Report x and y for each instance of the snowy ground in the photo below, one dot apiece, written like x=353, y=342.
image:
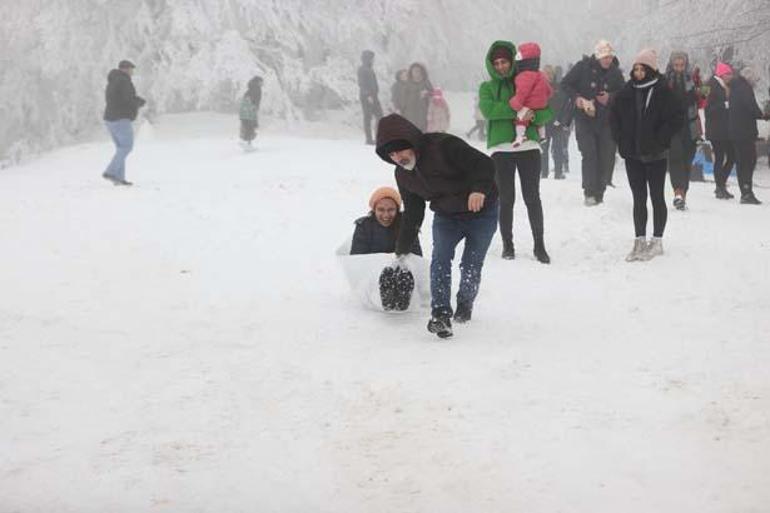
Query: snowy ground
x=190, y=345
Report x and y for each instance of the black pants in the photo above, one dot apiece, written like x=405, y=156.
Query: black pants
x=724, y=159
x=680, y=158
x=746, y=160
x=528, y=165
x=249, y=129
x=372, y=112
x=597, y=147
x=544, y=159
x=642, y=175
x=560, y=150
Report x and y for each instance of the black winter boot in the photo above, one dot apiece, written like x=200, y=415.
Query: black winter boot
x=540, y=253
x=463, y=312
x=440, y=323
x=509, y=253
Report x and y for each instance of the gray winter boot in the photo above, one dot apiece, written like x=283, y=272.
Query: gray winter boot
x=654, y=248
x=640, y=243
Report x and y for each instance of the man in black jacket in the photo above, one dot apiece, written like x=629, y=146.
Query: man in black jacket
x=368, y=92
x=591, y=83
x=459, y=183
x=122, y=108
x=742, y=129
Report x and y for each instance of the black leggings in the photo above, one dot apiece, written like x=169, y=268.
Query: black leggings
x=640, y=175
x=724, y=159
x=528, y=164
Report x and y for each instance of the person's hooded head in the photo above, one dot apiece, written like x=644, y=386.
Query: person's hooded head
x=398, y=141
x=126, y=67
x=367, y=58
x=499, y=61
x=418, y=73
x=678, y=63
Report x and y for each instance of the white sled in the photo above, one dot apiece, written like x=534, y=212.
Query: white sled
x=363, y=274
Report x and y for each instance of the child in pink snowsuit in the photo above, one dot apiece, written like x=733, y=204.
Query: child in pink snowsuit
x=438, y=112
x=532, y=90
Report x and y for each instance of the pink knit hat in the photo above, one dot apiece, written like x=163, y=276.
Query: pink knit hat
x=382, y=193
x=648, y=57
x=723, y=69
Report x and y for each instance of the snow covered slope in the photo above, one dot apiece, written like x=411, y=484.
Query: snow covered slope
x=190, y=345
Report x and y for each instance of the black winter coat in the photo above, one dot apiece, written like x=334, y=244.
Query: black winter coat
x=649, y=137
x=120, y=95
x=743, y=112
x=448, y=170
x=587, y=78
x=371, y=237
x=717, y=116
x=367, y=82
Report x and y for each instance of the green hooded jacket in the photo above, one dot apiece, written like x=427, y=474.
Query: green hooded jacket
x=494, y=95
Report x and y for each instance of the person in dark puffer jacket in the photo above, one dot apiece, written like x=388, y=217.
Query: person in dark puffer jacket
x=121, y=110
x=742, y=129
x=459, y=182
x=717, y=121
x=377, y=232
x=644, y=117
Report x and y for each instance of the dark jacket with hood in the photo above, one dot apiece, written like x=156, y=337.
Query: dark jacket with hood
x=644, y=117
x=398, y=94
x=371, y=237
x=494, y=97
x=417, y=98
x=367, y=79
x=684, y=87
x=717, y=116
x=120, y=95
x=448, y=170
x=587, y=78
x=744, y=111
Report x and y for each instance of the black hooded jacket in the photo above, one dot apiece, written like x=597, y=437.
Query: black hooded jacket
x=717, y=117
x=120, y=95
x=744, y=111
x=367, y=79
x=448, y=170
x=371, y=237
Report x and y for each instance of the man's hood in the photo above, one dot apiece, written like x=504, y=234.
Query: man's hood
x=396, y=128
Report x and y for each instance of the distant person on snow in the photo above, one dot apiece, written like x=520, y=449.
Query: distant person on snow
x=438, y=112
x=417, y=96
x=249, y=111
x=398, y=90
x=717, y=128
x=681, y=81
x=743, y=115
x=369, y=94
x=122, y=108
x=377, y=232
x=644, y=117
x=532, y=91
x=458, y=181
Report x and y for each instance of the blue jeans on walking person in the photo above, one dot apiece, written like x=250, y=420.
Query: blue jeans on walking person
x=122, y=132
x=448, y=231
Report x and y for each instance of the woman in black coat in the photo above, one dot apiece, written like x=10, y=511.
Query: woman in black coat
x=644, y=116
x=743, y=115
x=377, y=232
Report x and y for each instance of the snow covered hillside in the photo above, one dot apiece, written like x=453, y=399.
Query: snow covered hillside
x=190, y=345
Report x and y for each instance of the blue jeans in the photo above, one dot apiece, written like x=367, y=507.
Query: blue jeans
x=448, y=231
x=122, y=132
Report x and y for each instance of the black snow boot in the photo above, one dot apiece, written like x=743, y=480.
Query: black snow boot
x=509, y=253
x=396, y=287
x=748, y=198
x=440, y=323
x=463, y=312
x=540, y=253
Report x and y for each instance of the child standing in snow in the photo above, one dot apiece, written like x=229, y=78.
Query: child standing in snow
x=249, y=111
x=532, y=91
x=438, y=112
